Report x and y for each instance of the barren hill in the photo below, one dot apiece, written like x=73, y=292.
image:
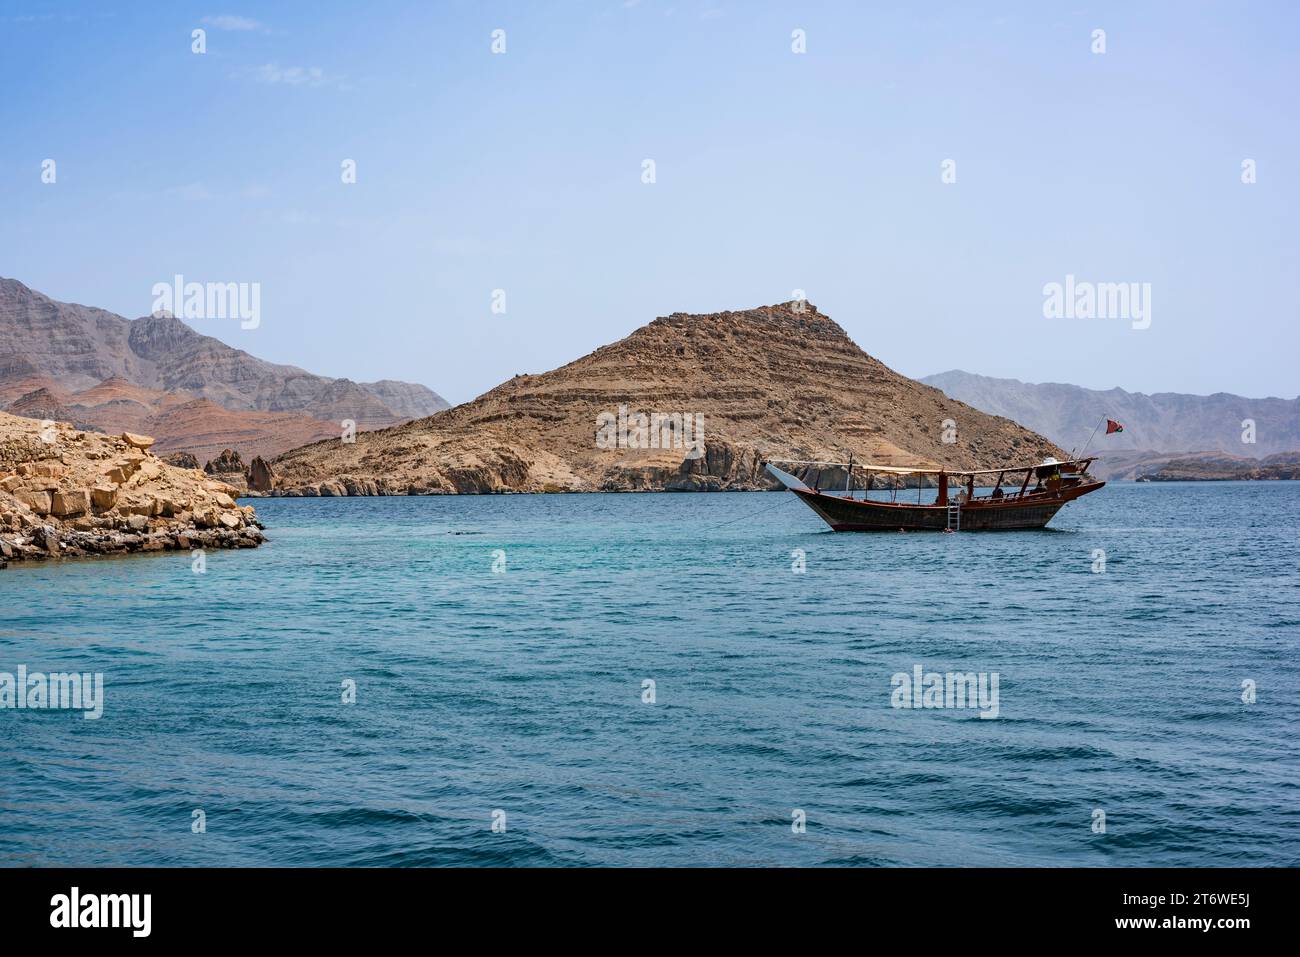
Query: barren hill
x=776, y=381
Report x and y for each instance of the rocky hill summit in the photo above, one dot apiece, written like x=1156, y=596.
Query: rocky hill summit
x=66, y=492
x=687, y=402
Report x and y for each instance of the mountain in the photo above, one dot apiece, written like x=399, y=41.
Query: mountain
x=779, y=381
x=1202, y=466
x=62, y=347
x=1165, y=422
x=158, y=376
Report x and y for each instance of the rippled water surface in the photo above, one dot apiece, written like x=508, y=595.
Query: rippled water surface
x=521, y=690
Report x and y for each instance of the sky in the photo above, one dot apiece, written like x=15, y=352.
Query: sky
x=523, y=171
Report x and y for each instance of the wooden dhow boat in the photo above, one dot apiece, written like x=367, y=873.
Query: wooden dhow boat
x=956, y=507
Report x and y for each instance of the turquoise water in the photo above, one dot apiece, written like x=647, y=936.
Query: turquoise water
x=521, y=690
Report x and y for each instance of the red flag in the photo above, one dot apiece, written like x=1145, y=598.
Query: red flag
x=1113, y=426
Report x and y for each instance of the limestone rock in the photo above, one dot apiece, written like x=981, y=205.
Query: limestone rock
x=101, y=494
x=103, y=497
x=70, y=504
x=38, y=502
x=137, y=441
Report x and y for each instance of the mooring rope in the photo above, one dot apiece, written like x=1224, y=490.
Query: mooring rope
x=751, y=514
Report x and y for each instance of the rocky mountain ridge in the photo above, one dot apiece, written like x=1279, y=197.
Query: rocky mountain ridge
x=1163, y=422
x=103, y=370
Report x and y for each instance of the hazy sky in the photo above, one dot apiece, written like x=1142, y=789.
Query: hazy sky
x=775, y=171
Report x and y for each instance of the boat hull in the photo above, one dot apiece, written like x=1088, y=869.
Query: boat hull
x=1015, y=513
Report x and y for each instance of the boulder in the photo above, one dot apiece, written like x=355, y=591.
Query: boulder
x=137, y=441
x=38, y=501
x=103, y=497
x=360, y=486
x=45, y=537
x=70, y=504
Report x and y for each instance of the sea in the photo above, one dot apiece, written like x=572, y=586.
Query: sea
x=670, y=679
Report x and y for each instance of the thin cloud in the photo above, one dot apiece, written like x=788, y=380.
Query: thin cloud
x=306, y=76
x=228, y=21
x=195, y=192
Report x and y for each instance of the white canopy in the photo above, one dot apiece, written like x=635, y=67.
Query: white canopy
x=895, y=470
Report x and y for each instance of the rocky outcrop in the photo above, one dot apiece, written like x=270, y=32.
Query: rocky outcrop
x=261, y=477
x=228, y=461
x=228, y=467
x=780, y=381
x=182, y=460
x=65, y=493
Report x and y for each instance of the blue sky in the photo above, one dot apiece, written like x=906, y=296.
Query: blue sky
x=774, y=171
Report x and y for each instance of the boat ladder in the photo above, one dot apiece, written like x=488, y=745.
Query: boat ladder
x=954, y=518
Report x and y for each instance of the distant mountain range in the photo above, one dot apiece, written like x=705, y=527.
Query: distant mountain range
x=1157, y=427
x=1204, y=467
x=190, y=391
x=781, y=381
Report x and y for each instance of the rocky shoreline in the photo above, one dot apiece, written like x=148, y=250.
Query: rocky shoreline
x=69, y=493
x=716, y=471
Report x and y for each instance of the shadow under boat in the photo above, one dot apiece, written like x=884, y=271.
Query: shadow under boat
x=1057, y=484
